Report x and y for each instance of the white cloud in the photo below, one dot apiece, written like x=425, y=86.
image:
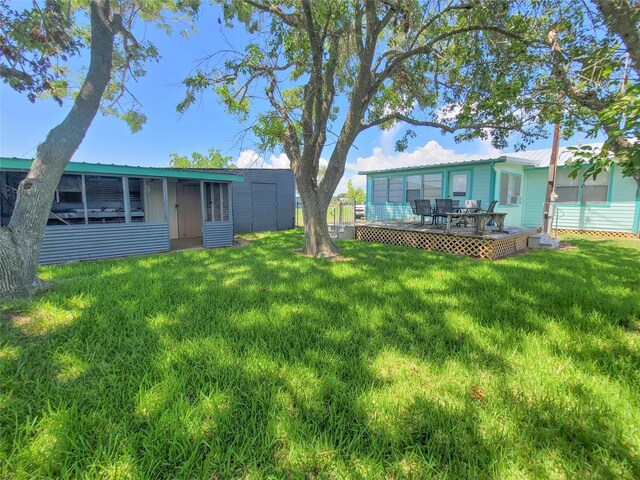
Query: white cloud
x=484, y=147
x=358, y=181
x=431, y=153
x=448, y=112
x=249, y=159
x=281, y=161
x=388, y=137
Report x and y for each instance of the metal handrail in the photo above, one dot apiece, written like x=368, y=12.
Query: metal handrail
x=556, y=215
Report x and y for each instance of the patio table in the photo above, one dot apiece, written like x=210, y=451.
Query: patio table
x=481, y=219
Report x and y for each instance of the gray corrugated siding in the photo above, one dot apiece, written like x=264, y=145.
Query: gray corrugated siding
x=243, y=203
x=265, y=211
x=218, y=234
x=63, y=243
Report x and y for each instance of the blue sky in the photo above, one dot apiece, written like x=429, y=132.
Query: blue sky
x=23, y=125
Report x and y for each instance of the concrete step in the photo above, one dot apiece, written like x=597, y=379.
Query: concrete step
x=543, y=241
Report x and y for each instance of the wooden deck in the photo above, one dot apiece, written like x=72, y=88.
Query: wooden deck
x=461, y=240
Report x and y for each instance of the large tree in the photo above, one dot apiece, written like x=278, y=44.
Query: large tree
x=35, y=44
x=594, y=68
x=320, y=73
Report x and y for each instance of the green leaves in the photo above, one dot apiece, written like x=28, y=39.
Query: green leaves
x=213, y=159
x=357, y=194
x=37, y=43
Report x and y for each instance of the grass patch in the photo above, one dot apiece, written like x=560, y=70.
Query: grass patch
x=257, y=362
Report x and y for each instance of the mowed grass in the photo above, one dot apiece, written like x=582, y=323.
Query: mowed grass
x=257, y=362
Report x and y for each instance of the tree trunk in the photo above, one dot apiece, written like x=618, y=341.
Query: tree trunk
x=317, y=242
x=22, y=238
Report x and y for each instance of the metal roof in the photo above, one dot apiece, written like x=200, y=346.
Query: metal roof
x=436, y=164
x=110, y=169
x=541, y=158
x=534, y=158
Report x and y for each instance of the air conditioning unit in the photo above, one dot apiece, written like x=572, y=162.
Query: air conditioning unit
x=516, y=200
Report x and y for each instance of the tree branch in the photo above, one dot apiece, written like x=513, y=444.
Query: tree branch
x=400, y=117
x=268, y=7
x=622, y=18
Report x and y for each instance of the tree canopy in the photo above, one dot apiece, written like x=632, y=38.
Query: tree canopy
x=594, y=67
x=213, y=159
x=357, y=194
x=38, y=43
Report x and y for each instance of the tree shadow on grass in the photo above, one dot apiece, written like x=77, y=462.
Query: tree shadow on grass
x=258, y=361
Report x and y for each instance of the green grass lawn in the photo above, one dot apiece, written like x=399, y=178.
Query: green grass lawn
x=257, y=362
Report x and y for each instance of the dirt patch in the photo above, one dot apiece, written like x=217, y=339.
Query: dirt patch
x=566, y=246
x=241, y=242
x=16, y=319
x=336, y=258
x=634, y=327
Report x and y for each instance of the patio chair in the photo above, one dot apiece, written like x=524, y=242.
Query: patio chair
x=424, y=209
x=470, y=206
x=492, y=205
x=443, y=207
x=414, y=208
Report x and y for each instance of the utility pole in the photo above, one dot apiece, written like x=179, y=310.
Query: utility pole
x=550, y=197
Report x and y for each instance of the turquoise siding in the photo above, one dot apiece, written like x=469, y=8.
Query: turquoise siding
x=617, y=215
x=480, y=184
x=534, y=192
x=478, y=189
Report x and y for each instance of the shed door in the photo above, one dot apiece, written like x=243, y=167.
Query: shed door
x=264, y=202
x=189, y=210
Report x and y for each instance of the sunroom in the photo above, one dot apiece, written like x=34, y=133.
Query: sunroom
x=103, y=210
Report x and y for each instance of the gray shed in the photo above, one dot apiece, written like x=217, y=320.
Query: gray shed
x=265, y=201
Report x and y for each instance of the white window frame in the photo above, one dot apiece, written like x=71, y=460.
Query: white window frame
x=513, y=193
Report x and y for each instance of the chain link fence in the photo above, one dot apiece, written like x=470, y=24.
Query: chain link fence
x=341, y=217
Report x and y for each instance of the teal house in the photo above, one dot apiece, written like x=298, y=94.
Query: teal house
x=611, y=203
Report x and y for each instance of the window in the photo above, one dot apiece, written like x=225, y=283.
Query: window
x=104, y=195
x=395, y=189
x=146, y=200
x=510, y=189
x=567, y=188
x=459, y=184
x=379, y=190
x=9, y=182
x=596, y=191
x=387, y=190
x=432, y=186
x=580, y=189
x=105, y=199
x=68, y=206
x=413, y=187
x=217, y=195
x=136, y=199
